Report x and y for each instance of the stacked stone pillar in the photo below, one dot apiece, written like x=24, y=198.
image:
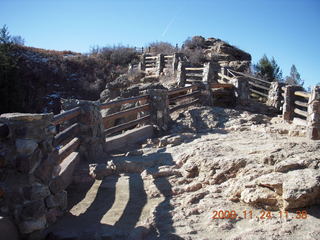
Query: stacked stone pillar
x=28, y=165
x=275, y=97
x=210, y=72
x=288, y=105
x=160, y=64
x=142, y=63
x=159, y=111
x=181, y=74
x=91, y=134
x=177, y=57
x=242, y=89
x=313, y=119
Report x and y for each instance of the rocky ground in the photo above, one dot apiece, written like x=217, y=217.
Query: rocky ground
x=219, y=174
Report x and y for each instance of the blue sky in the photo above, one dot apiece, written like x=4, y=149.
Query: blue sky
x=288, y=30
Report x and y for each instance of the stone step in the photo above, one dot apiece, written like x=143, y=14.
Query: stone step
x=64, y=178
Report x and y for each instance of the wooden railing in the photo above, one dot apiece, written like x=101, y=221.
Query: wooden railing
x=178, y=96
x=194, y=74
x=301, y=107
x=126, y=113
x=66, y=140
x=258, y=86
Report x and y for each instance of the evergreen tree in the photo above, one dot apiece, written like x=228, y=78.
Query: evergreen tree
x=11, y=93
x=294, y=78
x=268, y=69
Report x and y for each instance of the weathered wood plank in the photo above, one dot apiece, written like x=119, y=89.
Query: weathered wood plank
x=126, y=125
x=302, y=94
x=301, y=104
x=194, y=69
x=123, y=101
x=225, y=76
x=221, y=85
x=175, y=108
x=249, y=76
x=193, y=94
x=66, y=134
x=126, y=112
x=258, y=86
x=259, y=93
x=67, y=115
x=68, y=149
x=183, y=89
x=301, y=112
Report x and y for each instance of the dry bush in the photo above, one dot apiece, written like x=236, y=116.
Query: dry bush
x=119, y=55
x=196, y=42
x=161, y=47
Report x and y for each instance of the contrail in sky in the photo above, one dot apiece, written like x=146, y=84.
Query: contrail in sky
x=169, y=25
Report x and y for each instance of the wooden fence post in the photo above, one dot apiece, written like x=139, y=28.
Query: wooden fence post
x=160, y=64
x=288, y=105
x=313, y=119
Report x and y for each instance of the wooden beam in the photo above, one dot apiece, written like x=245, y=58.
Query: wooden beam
x=249, y=76
x=301, y=104
x=123, y=101
x=221, y=85
x=66, y=134
x=184, y=96
x=126, y=125
x=258, y=86
x=302, y=94
x=259, y=93
x=175, y=108
x=225, y=76
x=183, y=89
x=151, y=57
x=194, y=69
x=68, y=149
x=67, y=115
x=301, y=112
x=126, y=112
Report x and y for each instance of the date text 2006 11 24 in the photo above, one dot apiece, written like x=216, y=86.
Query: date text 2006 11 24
x=263, y=214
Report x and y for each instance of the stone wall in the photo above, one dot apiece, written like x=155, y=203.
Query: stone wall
x=28, y=166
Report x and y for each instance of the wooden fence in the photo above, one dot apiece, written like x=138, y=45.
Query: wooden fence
x=66, y=141
x=301, y=107
x=258, y=86
x=194, y=74
x=178, y=97
x=143, y=107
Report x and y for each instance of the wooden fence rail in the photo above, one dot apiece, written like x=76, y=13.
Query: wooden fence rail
x=175, y=108
x=126, y=112
x=67, y=115
x=64, y=136
x=124, y=101
x=127, y=125
x=183, y=89
x=302, y=94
